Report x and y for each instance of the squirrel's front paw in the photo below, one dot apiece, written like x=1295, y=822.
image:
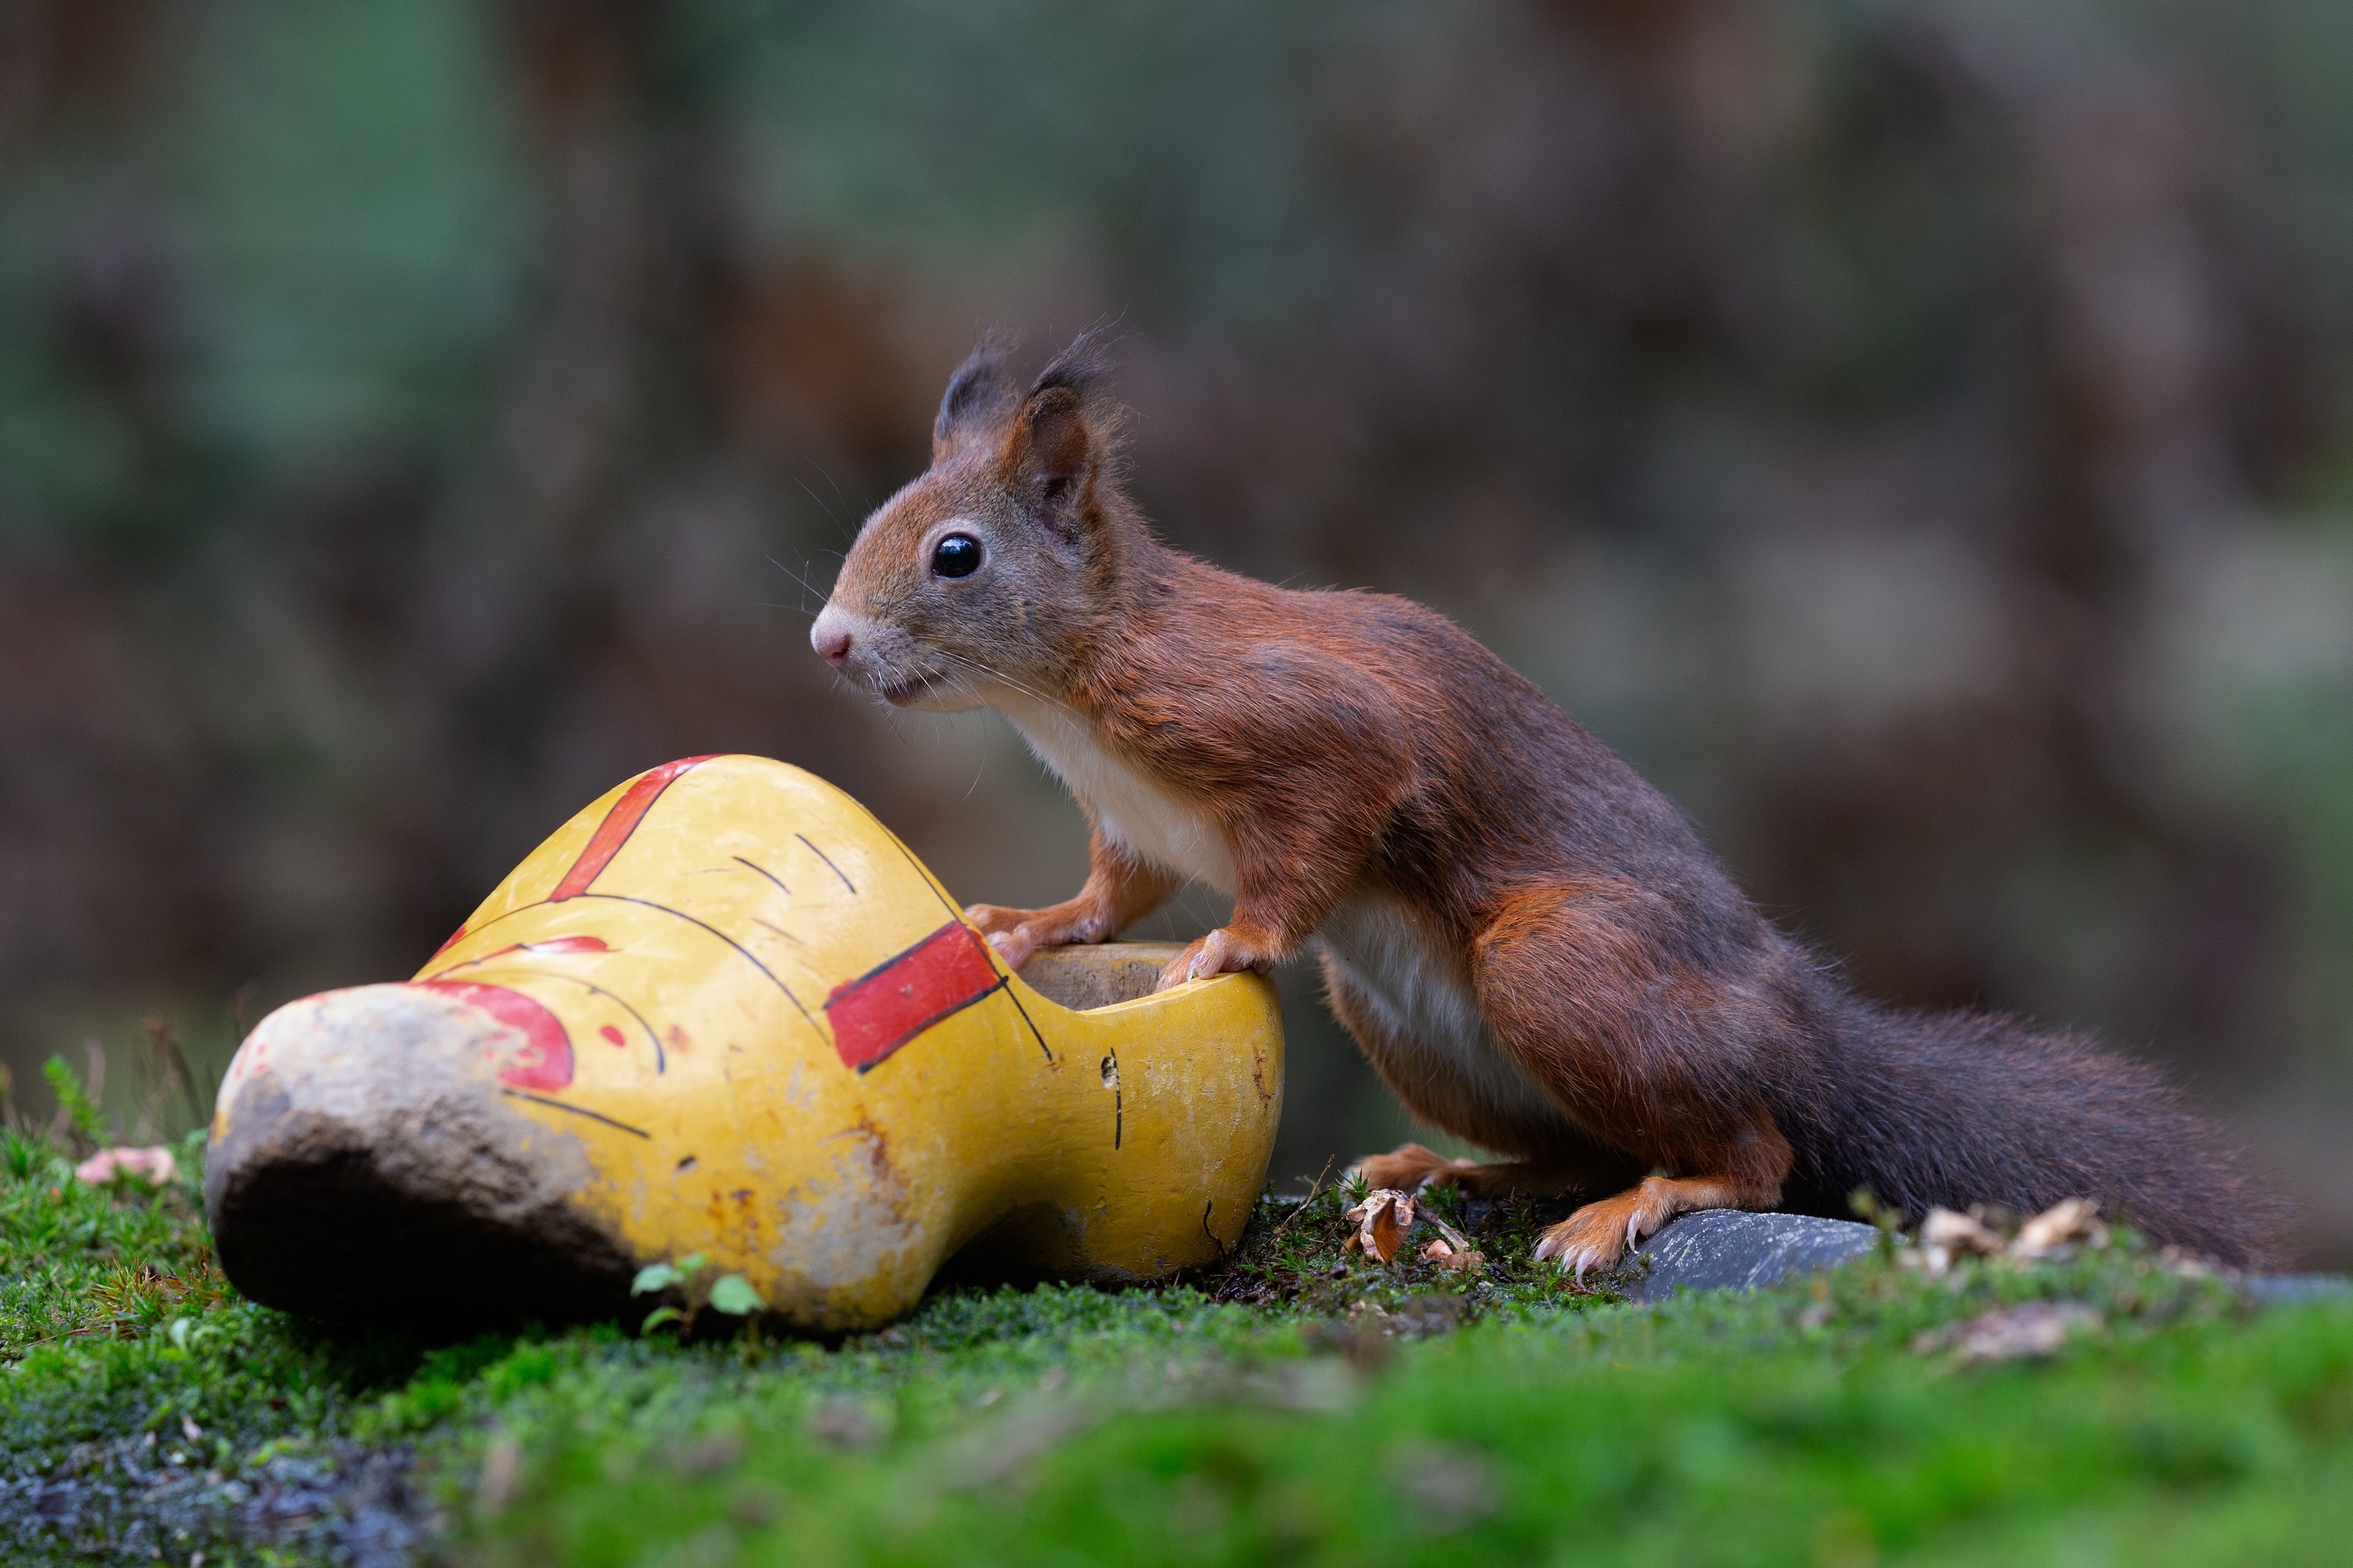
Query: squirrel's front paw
x=1017, y=933
x=1014, y=933
x=1219, y=953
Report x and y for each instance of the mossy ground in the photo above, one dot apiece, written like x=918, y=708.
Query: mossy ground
x=1274, y=1411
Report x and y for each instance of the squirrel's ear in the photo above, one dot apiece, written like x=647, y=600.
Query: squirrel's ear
x=1051, y=451
x=979, y=398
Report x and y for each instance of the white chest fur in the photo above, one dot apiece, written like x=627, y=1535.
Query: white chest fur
x=1435, y=1037
x=1133, y=811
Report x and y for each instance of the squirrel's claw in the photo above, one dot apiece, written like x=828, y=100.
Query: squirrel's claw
x=989, y=920
x=1181, y=968
x=1012, y=932
x=1016, y=934
x=1206, y=958
x=1578, y=1248
x=1599, y=1233
x=1014, y=946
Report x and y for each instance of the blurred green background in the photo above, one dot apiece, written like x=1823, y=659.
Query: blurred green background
x=1916, y=434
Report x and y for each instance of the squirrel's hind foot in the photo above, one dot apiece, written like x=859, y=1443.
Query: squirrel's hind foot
x=1598, y=1234
x=1410, y=1165
x=1407, y=1166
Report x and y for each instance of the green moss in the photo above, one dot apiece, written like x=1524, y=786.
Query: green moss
x=1270, y=1411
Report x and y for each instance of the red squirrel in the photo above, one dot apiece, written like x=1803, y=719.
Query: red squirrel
x=1528, y=941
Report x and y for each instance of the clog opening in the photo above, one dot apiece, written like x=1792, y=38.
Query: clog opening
x=1081, y=978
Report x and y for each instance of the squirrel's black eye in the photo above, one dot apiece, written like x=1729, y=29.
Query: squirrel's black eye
x=957, y=555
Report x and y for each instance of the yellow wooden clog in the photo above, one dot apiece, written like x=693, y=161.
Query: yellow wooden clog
x=724, y=1011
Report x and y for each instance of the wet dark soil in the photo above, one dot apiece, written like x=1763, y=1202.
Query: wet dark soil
x=145, y=1500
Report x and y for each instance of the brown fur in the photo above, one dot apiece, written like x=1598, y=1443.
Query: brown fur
x=1367, y=765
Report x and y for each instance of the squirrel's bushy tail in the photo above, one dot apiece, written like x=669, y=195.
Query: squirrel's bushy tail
x=1950, y=1109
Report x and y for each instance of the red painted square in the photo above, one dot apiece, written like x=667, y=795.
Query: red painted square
x=881, y=1010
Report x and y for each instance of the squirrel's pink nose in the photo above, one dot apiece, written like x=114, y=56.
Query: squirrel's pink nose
x=831, y=640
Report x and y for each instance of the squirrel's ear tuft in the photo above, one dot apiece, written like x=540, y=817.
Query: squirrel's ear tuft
x=1059, y=437
x=979, y=396
x=1078, y=367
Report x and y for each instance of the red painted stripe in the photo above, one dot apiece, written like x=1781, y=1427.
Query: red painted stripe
x=876, y=1014
x=618, y=824
x=544, y=1060
x=560, y=944
x=554, y=945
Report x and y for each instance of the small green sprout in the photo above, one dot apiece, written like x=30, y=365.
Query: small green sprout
x=730, y=1293
x=662, y=1276
x=735, y=1296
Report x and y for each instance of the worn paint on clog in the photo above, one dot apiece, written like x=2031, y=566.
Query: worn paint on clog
x=745, y=1021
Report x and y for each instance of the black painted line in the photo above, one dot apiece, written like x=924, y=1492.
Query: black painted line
x=661, y=1060
x=1017, y=1007
x=739, y=947
x=901, y=956
x=779, y=881
x=576, y=1110
x=926, y=876
x=535, y=903
x=1211, y=1234
x=942, y=1015
x=828, y=863
x=957, y=915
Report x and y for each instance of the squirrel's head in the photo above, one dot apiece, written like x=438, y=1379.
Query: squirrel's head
x=989, y=575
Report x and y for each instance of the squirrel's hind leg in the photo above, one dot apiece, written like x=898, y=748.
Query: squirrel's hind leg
x=1654, y=1057
x=1564, y=1161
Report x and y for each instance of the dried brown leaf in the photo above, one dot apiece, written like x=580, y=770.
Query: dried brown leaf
x=2058, y=1229
x=2008, y=1333
x=1463, y=1260
x=1960, y=1233
x=1946, y=1236
x=1381, y=1221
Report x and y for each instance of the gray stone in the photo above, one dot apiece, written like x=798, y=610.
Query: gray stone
x=2285, y=1289
x=1718, y=1249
